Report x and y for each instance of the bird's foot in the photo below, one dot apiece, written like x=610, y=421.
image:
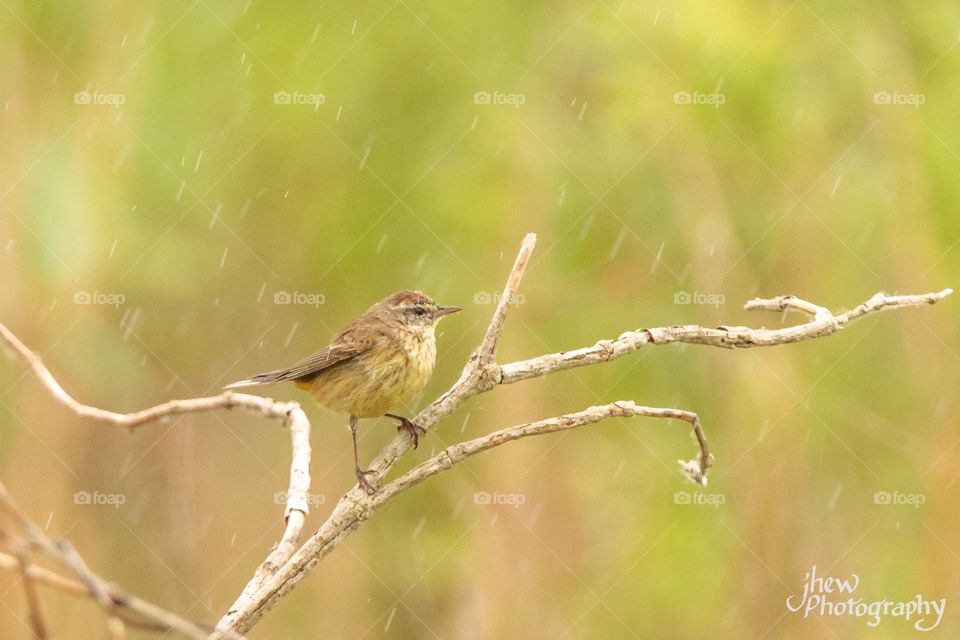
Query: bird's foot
x=363, y=482
x=408, y=426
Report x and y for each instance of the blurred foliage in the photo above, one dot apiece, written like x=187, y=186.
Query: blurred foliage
x=185, y=191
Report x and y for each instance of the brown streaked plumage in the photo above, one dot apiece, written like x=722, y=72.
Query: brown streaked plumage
x=379, y=361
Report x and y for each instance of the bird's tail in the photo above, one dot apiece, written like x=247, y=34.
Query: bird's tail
x=261, y=378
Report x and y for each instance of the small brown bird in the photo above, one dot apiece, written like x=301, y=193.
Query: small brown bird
x=379, y=361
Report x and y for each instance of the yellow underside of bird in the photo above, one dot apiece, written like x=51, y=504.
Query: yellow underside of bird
x=371, y=386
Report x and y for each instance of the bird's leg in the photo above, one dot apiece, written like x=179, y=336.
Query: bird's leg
x=408, y=425
x=361, y=474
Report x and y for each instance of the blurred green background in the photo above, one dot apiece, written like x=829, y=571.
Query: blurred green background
x=170, y=170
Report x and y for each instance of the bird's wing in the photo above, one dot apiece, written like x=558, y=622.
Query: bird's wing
x=309, y=366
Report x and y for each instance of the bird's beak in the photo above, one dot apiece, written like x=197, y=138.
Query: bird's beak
x=442, y=311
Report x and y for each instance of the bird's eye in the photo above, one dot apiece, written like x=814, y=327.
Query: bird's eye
x=420, y=311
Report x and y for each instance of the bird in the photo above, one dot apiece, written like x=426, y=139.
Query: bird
x=379, y=361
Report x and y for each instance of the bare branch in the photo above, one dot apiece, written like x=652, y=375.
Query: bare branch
x=622, y=409
x=112, y=599
x=488, y=347
x=823, y=323
x=297, y=506
x=37, y=622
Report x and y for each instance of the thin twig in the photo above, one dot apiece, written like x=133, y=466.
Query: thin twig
x=111, y=598
x=37, y=622
x=696, y=469
x=296, y=505
x=823, y=323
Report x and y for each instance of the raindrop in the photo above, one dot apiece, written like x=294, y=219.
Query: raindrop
x=123, y=42
x=656, y=261
x=656, y=18
x=339, y=111
x=132, y=322
x=113, y=248
x=836, y=496
x=216, y=215
x=383, y=241
x=316, y=32
x=582, y=111
x=615, y=249
x=224, y=258
x=836, y=185
x=183, y=185
x=458, y=508
x=263, y=288
x=354, y=29
x=473, y=124
x=363, y=160
x=47, y=523
x=393, y=612
x=420, y=262
x=196, y=167
x=418, y=529
x=466, y=419
x=586, y=228
x=10, y=245
x=293, y=330
x=245, y=207
x=619, y=469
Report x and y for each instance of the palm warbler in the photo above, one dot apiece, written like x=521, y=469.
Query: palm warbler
x=378, y=361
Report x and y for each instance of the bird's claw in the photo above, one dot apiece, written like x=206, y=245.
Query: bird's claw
x=364, y=483
x=411, y=428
